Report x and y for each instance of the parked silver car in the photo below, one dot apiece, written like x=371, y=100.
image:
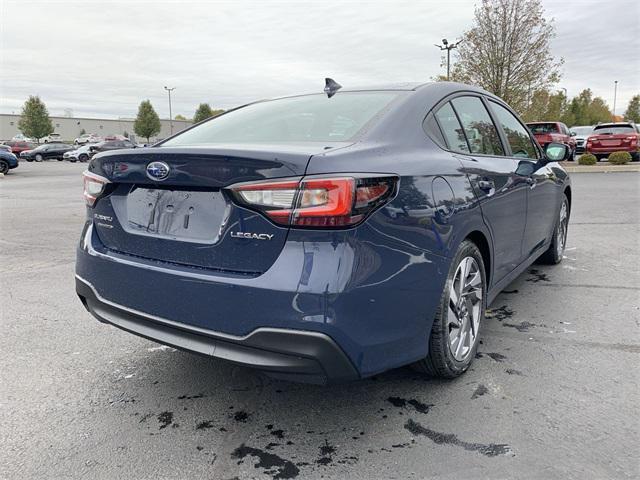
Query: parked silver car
x=581, y=134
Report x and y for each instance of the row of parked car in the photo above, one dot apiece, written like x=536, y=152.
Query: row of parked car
x=83, y=149
x=600, y=140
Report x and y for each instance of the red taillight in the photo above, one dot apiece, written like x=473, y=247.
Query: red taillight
x=321, y=202
x=94, y=186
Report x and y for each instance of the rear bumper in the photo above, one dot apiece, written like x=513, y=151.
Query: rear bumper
x=303, y=356
x=334, y=284
x=609, y=150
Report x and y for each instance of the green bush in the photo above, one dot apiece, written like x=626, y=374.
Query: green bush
x=587, y=159
x=620, y=158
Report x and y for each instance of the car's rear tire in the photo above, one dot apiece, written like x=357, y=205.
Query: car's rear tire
x=553, y=255
x=455, y=332
x=39, y=158
x=4, y=167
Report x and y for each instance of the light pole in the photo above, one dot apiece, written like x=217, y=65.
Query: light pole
x=448, y=47
x=615, y=94
x=169, y=90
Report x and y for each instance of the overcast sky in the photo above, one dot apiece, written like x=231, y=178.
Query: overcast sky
x=100, y=58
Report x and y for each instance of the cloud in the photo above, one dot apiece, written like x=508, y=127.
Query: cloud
x=103, y=59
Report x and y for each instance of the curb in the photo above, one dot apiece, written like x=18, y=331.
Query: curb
x=604, y=168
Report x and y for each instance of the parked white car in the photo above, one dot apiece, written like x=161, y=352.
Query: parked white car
x=581, y=133
x=82, y=154
x=19, y=137
x=52, y=138
x=87, y=138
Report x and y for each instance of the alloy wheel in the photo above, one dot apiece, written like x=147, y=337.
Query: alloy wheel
x=465, y=308
x=562, y=229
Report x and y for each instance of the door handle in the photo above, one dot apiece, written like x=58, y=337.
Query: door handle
x=486, y=185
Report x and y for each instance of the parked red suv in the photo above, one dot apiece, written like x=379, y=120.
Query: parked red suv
x=18, y=146
x=553, y=132
x=614, y=137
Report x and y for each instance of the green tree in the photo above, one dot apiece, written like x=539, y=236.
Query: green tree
x=203, y=112
x=507, y=51
x=147, y=122
x=34, y=119
x=632, y=114
x=585, y=109
x=180, y=117
x=545, y=105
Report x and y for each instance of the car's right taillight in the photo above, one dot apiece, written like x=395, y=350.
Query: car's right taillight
x=94, y=186
x=317, y=202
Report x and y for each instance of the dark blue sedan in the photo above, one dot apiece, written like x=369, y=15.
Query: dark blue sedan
x=8, y=161
x=325, y=237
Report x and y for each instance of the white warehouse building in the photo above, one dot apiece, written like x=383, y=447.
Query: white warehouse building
x=70, y=127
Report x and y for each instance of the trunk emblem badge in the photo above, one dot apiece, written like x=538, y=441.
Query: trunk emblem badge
x=252, y=236
x=158, y=171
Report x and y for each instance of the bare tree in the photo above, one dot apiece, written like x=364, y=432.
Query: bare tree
x=507, y=51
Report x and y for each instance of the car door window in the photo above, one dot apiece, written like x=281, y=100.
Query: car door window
x=451, y=129
x=479, y=128
x=517, y=135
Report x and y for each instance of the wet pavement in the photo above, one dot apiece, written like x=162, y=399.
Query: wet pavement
x=553, y=393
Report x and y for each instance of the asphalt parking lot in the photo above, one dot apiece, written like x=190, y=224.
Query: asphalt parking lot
x=554, y=392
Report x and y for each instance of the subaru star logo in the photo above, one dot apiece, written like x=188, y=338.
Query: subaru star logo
x=157, y=170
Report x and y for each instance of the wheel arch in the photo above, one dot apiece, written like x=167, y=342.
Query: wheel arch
x=567, y=192
x=482, y=242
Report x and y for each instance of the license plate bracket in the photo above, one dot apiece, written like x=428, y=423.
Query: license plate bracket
x=194, y=216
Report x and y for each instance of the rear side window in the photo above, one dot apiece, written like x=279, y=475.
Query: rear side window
x=308, y=118
x=433, y=130
x=517, y=135
x=481, y=132
x=451, y=129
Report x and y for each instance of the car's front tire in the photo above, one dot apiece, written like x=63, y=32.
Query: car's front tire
x=455, y=332
x=553, y=255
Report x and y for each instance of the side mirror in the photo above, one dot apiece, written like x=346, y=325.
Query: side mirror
x=573, y=134
x=556, y=152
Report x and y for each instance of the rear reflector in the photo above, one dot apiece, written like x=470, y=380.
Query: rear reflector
x=320, y=202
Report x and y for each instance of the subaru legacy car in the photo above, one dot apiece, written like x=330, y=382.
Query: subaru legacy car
x=324, y=237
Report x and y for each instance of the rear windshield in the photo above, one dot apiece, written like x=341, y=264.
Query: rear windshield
x=604, y=130
x=309, y=118
x=537, y=128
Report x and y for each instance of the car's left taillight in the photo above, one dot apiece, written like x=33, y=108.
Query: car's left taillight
x=94, y=186
x=317, y=201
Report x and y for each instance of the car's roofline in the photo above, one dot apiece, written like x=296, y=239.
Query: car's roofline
x=451, y=87
x=615, y=124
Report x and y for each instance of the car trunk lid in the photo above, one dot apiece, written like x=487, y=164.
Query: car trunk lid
x=611, y=140
x=188, y=218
